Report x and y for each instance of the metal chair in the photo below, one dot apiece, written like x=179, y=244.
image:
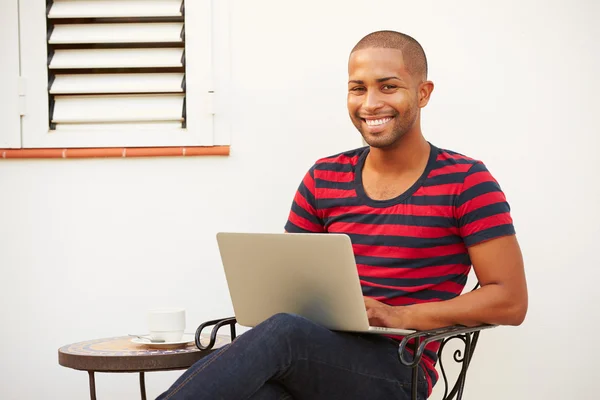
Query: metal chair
x=468, y=335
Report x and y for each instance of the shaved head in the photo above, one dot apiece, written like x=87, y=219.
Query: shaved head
x=412, y=52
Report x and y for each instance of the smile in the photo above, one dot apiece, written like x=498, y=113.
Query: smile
x=377, y=122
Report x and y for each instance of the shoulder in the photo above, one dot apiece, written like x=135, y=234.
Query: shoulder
x=449, y=162
x=345, y=160
x=452, y=158
x=471, y=176
x=457, y=173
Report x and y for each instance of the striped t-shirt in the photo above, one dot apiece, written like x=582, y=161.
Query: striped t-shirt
x=412, y=248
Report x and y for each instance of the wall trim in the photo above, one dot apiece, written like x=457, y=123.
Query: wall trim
x=112, y=152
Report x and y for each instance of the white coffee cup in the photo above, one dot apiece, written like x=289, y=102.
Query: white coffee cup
x=166, y=324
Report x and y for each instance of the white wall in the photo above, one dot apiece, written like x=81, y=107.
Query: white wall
x=86, y=246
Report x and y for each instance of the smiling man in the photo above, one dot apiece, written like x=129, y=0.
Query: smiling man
x=419, y=218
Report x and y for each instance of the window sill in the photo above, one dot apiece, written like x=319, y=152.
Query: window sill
x=114, y=152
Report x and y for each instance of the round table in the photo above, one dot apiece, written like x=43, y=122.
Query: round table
x=120, y=354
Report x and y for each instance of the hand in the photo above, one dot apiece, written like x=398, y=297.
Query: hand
x=381, y=314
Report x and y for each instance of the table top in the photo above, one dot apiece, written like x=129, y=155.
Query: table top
x=120, y=354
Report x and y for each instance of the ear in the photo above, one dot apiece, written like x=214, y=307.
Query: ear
x=425, y=89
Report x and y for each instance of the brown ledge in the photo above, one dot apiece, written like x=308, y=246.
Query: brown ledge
x=116, y=152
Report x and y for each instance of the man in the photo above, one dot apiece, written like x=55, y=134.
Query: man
x=418, y=217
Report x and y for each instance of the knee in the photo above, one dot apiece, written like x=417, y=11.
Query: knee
x=287, y=324
x=287, y=319
x=287, y=334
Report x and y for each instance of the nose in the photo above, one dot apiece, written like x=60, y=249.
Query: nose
x=372, y=102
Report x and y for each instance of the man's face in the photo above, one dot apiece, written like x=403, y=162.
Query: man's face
x=382, y=96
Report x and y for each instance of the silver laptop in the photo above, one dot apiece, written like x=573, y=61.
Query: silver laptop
x=312, y=275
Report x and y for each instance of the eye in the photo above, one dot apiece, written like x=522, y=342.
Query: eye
x=389, y=87
x=357, y=89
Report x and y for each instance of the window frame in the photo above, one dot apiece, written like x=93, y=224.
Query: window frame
x=10, y=101
x=200, y=87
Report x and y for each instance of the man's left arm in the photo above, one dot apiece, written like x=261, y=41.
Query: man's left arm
x=501, y=300
x=486, y=227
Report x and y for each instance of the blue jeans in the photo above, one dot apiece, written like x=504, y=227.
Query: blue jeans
x=290, y=357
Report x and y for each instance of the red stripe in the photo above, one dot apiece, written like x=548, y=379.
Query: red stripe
x=334, y=176
x=480, y=201
x=448, y=286
x=429, y=365
x=343, y=210
x=439, y=190
x=400, y=209
x=339, y=159
x=435, y=346
x=304, y=204
x=411, y=273
x=304, y=223
x=486, y=223
x=408, y=252
x=450, y=169
x=410, y=345
x=326, y=193
x=309, y=183
x=432, y=346
x=422, y=232
x=426, y=361
x=477, y=178
x=404, y=300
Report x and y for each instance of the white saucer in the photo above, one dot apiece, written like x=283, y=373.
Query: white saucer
x=187, y=338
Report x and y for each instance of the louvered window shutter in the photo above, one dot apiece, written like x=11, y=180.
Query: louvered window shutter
x=116, y=64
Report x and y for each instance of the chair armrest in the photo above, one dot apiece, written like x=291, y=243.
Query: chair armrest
x=423, y=338
x=218, y=323
x=428, y=336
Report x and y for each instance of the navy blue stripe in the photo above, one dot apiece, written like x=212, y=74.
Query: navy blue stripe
x=444, y=200
x=445, y=179
x=321, y=183
x=342, y=202
x=484, y=212
x=410, y=282
x=462, y=258
x=430, y=354
x=293, y=228
x=404, y=241
x=461, y=279
x=398, y=219
x=337, y=167
x=305, y=214
x=477, y=190
x=452, y=153
x=491, y=233
x=393, y=293
x=310, y=198
x=350, y=153
x=451, y=161
x=477, y=167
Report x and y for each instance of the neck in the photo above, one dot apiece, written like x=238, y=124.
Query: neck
x=408, y=154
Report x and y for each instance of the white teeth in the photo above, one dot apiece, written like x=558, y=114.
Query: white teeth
x=375, y=122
